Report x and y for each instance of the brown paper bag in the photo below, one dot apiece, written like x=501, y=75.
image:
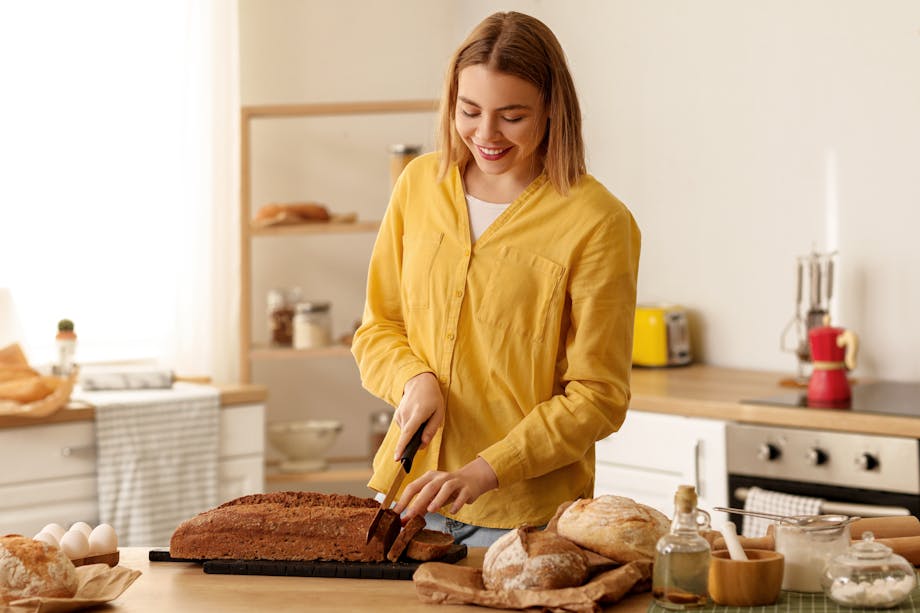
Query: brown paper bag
x=97, y=584
x=440, y=583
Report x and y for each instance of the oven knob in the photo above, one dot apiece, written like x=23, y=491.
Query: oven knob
x=867, y=461
x=816, y=456
x=768, y=452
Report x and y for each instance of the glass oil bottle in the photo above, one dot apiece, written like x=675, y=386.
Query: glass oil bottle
x=681, y=572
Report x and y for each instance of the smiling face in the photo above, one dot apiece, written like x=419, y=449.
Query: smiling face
x=502, y=121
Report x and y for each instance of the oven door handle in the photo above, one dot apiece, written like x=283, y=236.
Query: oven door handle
x=846, y=508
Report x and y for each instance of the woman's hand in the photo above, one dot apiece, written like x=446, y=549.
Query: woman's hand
x=422, y=399
x=436, y=489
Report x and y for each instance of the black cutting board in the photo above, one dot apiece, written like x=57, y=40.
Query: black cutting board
x=401, y=569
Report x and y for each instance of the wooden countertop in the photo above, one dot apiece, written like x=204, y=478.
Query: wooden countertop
x=694, y=391
x=175, y=586
x=230, y=395
x=719, y=393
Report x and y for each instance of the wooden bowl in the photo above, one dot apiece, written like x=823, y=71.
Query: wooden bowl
x=753, y=582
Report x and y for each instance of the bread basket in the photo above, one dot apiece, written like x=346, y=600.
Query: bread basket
x=57, y=399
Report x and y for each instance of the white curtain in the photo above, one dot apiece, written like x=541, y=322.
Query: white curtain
x=118, y=158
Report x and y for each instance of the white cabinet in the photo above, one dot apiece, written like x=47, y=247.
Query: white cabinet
x=49, y=471
x=652, y=454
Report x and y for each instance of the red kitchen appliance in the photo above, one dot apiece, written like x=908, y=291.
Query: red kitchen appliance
x=833, y=354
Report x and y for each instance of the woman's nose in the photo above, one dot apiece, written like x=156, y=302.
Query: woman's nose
x=487, y=128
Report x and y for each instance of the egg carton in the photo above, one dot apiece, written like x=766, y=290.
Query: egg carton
x=111, y=559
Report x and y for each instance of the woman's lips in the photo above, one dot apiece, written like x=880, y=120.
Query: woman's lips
x=491, y=154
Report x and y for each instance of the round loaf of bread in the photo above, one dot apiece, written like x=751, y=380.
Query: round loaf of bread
x=528, y=559
x=614, y=526
x=33, y=568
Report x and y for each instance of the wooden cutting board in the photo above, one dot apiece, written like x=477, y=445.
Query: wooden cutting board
x=403, y=569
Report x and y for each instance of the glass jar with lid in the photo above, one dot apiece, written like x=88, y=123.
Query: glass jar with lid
x=280, y=305
x=312, y=325
x=868, y=575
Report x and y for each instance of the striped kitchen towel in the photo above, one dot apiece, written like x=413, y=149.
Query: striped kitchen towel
x=156, y=459
x=766, y=501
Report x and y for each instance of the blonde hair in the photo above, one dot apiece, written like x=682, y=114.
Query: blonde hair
x=522, y=46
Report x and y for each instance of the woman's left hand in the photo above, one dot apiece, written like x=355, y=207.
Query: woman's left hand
x=436, y=489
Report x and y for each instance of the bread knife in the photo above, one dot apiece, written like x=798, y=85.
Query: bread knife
x=405, y=461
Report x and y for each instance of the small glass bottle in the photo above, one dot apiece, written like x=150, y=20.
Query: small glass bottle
x=66, y=341
x=280, y=302
x=312, y=325
x=681, y=573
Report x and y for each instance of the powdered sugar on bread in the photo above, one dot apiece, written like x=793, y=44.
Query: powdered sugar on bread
x=614, y=526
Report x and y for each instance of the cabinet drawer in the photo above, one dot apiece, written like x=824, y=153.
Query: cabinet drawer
x=53, y=451
x=25, y=508
x=242, y=430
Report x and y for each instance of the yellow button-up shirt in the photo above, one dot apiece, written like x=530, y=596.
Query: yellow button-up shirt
x=529, y=332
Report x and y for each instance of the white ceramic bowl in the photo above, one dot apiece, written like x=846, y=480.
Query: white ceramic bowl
x=303, y=443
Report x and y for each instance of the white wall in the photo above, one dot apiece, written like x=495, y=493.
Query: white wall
x=741, y=134
x=717, y=122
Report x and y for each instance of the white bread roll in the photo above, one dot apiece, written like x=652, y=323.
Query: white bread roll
x=33, y=568
x=526, y=558
x=614, y=526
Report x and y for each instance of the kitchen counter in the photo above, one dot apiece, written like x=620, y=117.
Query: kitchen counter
x=176, y=586
x=719, y=393
x=693, y=391
x=230, y=395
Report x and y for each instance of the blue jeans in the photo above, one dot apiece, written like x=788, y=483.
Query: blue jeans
x=464, y=534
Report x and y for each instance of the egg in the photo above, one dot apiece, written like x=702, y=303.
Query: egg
x=56, y=529
x=103, y=540
x=75, y=544
x=47, y=537
x=83, y=527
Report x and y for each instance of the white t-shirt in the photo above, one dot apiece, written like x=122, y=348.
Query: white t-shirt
x=482, y=214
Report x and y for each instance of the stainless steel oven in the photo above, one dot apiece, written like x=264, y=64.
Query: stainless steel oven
x=855, y=474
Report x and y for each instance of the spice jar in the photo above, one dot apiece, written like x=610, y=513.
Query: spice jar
x=868, y=575
x=281, y=303
x=312, y=325
x=400, y=156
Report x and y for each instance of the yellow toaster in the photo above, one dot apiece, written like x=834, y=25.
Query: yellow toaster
x=661, y=336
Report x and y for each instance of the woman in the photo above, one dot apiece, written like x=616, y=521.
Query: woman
x=500, y=299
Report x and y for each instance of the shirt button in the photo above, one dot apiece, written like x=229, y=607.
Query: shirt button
x=459, y=293
x=466, y=253
x=444, y=380
x=450, y=336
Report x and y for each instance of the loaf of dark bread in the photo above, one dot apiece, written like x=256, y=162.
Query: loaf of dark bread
x=287, y=526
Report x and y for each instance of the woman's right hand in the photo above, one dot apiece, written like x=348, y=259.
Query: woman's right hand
x=422, y=399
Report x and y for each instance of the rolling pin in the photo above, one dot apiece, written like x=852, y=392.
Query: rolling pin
x=886, y=527
x=906, y=546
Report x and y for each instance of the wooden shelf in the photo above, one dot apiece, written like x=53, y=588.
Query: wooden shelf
x=248, y=114
x=266, y=352
x=318, y=228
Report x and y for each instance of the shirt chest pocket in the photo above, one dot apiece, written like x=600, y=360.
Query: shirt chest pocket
x=419, y=252
x=521, y=288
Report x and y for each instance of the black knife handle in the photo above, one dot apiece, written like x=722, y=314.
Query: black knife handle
x=411, y=449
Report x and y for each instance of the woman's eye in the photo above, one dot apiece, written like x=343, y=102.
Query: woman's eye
x=512, y=119
x=466, y=113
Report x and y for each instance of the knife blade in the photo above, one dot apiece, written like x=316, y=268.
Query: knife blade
x=405, y=461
